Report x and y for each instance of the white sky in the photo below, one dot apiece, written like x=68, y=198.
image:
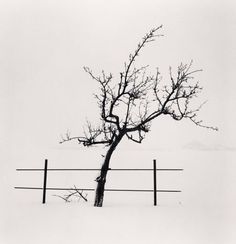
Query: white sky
x=44, y=45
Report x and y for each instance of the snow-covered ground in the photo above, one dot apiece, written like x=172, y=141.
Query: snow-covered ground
x=203, y=213
x=71, y=223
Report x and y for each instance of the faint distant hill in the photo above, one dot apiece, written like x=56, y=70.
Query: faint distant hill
x=196, y=145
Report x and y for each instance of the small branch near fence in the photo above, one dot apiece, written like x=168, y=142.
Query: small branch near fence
x=73, y=193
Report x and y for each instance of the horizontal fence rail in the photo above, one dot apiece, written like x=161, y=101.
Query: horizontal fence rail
x=99, y=169
x=46, y=169
x=88, y=189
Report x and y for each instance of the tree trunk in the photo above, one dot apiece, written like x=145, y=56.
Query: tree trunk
x=101, y=179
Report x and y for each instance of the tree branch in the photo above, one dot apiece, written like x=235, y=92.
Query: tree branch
x=132, y=103
x=74, y=192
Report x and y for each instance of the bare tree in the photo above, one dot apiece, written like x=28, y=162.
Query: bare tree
x=129, y=105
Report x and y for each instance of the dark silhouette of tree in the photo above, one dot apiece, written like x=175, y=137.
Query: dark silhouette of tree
x=129, y=105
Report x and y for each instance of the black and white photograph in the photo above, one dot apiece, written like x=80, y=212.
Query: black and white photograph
x=117, y=122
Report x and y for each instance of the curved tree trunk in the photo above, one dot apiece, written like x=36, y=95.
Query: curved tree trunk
x=101, y=179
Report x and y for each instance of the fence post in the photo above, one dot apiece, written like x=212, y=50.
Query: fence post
x=45, y=181
x=155, y=182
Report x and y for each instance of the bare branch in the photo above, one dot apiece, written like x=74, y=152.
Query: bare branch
x=74, y=192
x=92, y=137
x=129, y=105
x=147, y=38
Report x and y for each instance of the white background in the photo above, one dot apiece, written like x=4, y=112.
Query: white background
x=44, y=92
